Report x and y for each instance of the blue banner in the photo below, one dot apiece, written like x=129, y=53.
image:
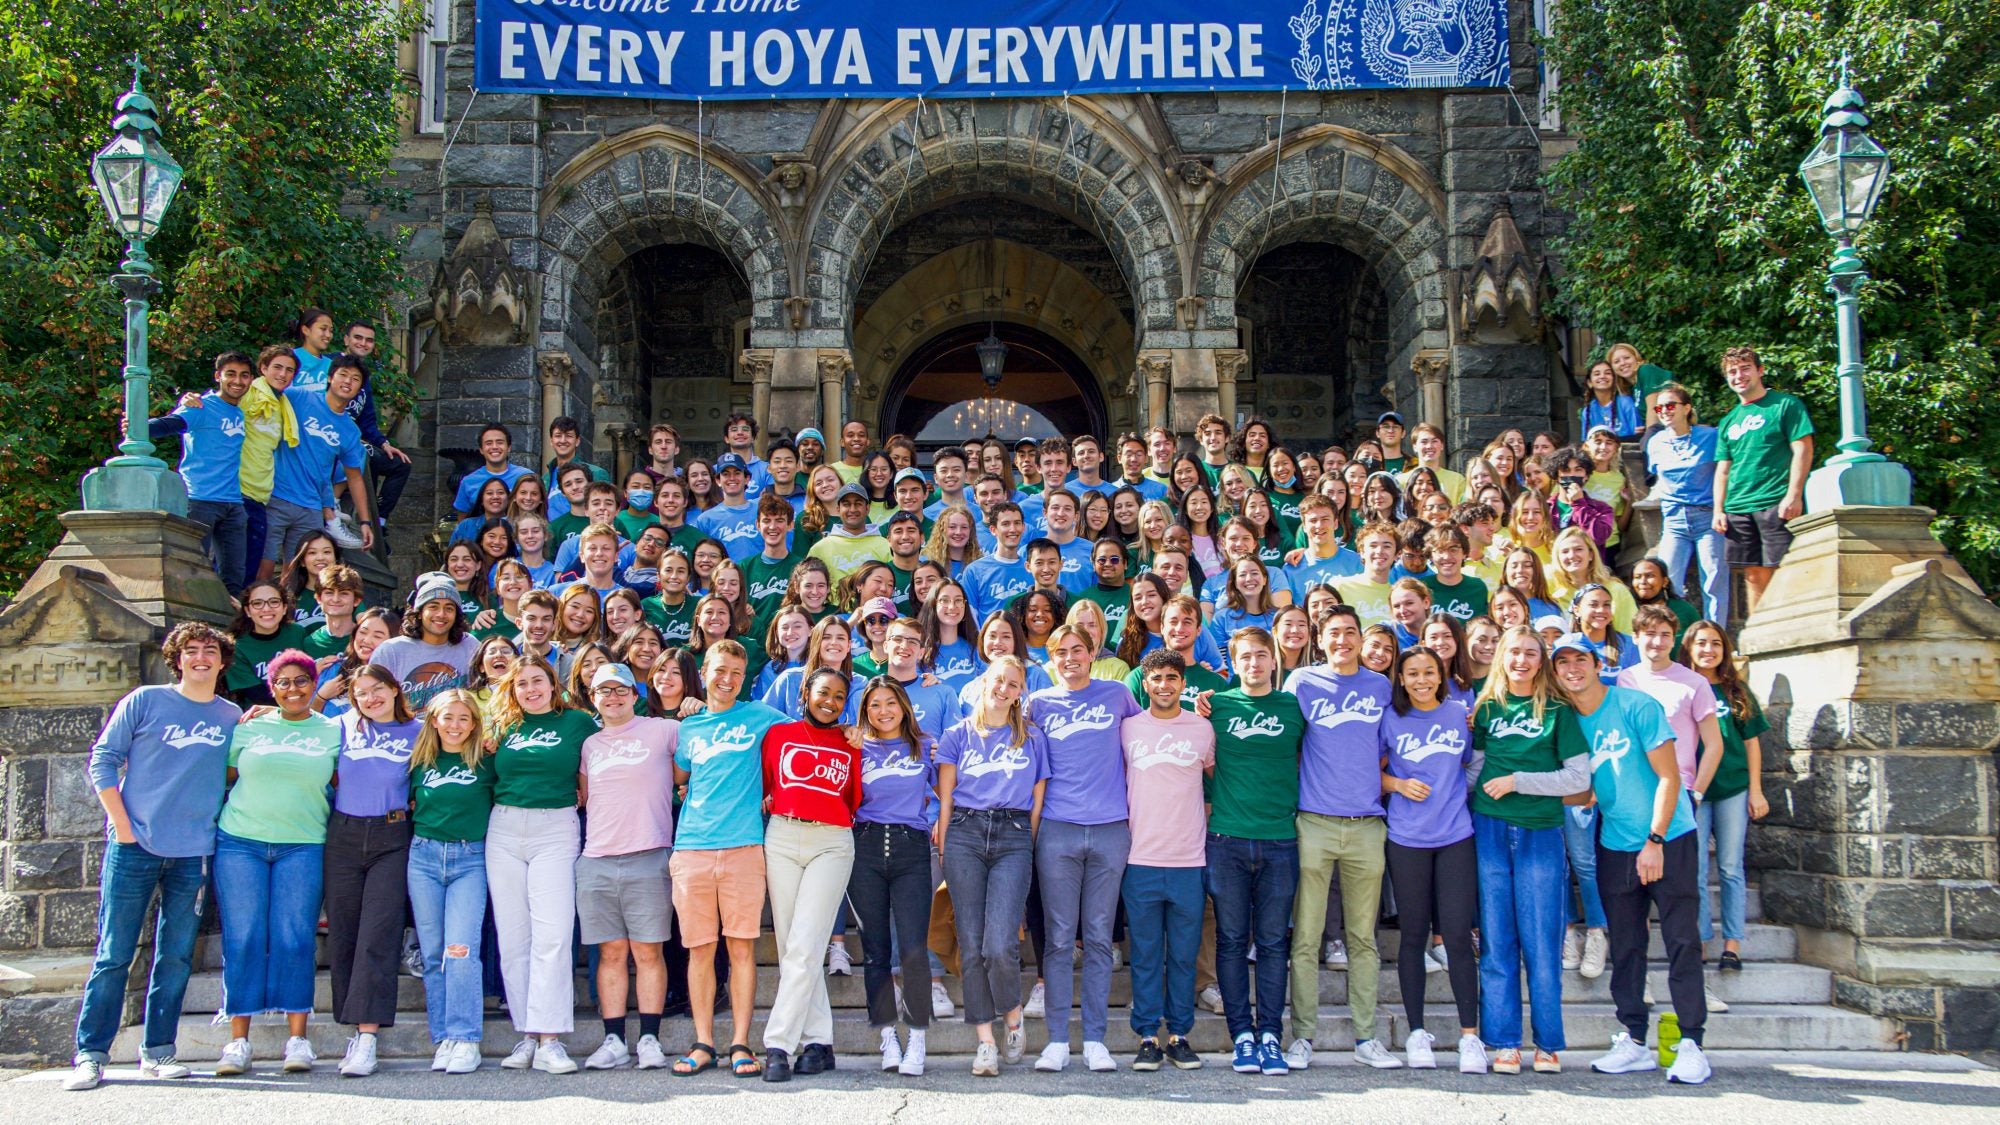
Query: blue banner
x=735, y=49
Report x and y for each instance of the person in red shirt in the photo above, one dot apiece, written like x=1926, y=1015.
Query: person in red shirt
x=812, y=782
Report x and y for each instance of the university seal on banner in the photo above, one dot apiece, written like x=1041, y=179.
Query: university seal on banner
x=1407, y=43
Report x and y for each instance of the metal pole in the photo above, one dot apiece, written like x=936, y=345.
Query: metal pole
x=138, y=284
x=1844, y=279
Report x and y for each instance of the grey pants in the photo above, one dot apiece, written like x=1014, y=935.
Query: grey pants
x=1082, y=868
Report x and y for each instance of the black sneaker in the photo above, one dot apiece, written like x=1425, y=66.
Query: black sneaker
x=1729, y=963
x=1149, y=1056
x=814, y=1058
x=778, y=1065
x=1181, y=1053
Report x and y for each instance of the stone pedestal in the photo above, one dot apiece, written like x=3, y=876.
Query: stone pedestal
x=154, y=562
x=1878, y=661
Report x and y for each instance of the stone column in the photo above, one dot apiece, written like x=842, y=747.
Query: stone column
x=1229, y=363
x=1156, y=370
x=1430, y=366
x=834, y=364
x=757, y=363
x=794, y=389
x=553, y=370
x=1878, y=663
x=629, y=440
x=1195, y=388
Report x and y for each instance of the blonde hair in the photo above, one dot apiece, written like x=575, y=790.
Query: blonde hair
x=1014, y=720
x=507, y=712
x=1597, y=571
x=814, y=516
x=1084, y=607
x=1495, y=689
x=430, y=743
x=1149, y=547
x=1518, y=535
x=935, y=547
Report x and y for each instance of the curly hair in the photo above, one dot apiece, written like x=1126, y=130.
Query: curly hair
x=190, y=632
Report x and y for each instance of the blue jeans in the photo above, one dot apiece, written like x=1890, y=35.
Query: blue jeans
x=1081, y=867
x=1523, y=882
x=1163, y=924
x=286, y=525
x=1726, y=821
x=1686, y=530
x=1580, y=838
x=131, y=875
x=1252, y=883
x=989, y=855
x=448, y=896
x=228, y=536
x=268, y=895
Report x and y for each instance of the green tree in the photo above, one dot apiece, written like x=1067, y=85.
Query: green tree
x=279, y=112
x=1691, y=230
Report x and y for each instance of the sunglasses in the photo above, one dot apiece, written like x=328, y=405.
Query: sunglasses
x=1667, y=407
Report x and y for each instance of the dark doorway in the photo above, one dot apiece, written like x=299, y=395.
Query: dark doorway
x=938, y=396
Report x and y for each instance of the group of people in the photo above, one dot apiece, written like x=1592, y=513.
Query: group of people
x=1228, y=709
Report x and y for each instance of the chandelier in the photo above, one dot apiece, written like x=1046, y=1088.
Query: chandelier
x=997, y=416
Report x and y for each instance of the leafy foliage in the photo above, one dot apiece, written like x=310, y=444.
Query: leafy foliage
x=1692, y=231
x=277, y=111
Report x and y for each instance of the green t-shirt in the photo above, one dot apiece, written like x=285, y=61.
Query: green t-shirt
x=453, y=803
x=535, y=763
x=1756, y=439
x=687, y=537
x=764, y=583
x=1254, y=792
x=503, y=626
x=866, y=666
x=1199, y=679
x=1733, y=775
x=562, y=529
x=322, y=643
x=906, y=602
x=282, y=770
x=630, y=523
x=1116, y=602
x=675, y=623
x=254, y=652
x=1464, y=601
x=1515, y=742
x=1651, y=377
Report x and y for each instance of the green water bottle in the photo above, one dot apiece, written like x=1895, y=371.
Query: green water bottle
x=1670, y=1038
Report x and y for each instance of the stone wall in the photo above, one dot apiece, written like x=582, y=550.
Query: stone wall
x=53, y=844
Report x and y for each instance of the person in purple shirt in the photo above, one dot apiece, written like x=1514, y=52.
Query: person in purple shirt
x=890, y=885
x=1426, y=739
x=367, y=859
x=933, y=703
x=1081, y=850
x=1341, y=830
x=992, y=770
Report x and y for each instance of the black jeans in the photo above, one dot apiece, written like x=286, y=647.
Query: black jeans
x=890, y=886
x=1626, y=903
x=391, y=474
x=1448, y=878
x=367, y=863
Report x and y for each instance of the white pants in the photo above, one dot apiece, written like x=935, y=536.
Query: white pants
x=531, y=874
x=805, y=872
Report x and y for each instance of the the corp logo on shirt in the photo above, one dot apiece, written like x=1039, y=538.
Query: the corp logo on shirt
x=1748, y=424
x=728, y=533
x=954, y=667
x=303, y=745
x=1440, y=739
x=978, y=762
x=1609, y=747
x=533, y=739
x=367, y=742
x=814, y=768
x=900, y=765
x=1165, y=750
x=609, y=753
x=201, y=734
x=1355, y=707
x=434, y=778
x=1094, y=717
x=324, y=431
x=769, y=588
x=1259, y=725
x=231, y=427
x=733, y=739
x=1524, y=725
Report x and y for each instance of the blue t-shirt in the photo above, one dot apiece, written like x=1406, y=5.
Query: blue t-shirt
x=1685, y=466
x=895, y=785
x=957, y=664
x=1622, y=416
x=990, y=583
x=1146, y=487
x=212, y=451
x=1623, y=729
x=303, y=473
x=1206, y=652
x=1226, y=621
x=168, y=756
x=723, y=755
x=1086, y=751
x=641, y=578
x=787, y=695
x=314, y=371
x=734, y=528
x=1434, y=747
x=467, y=497
x=374, y=765
x=935, y=706
x=992, y=772
x=1310, y=572
x=1610, y=664
x=1340, y=759
x=1077, y=575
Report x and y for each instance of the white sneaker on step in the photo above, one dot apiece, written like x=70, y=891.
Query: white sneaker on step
x=838, y=963
x=1572, y=948
x=1037, y=1005
x=1690, y=1065
x=892, y=1051
x=464, y=1058
x=553, y=1058
x=441, y=1058
x=1299, y=1055
x=299, y=1057
x=941, y=1005
x=913, y=1054
x=1334, y=954
x=610, y=1055
x=235, y=1059
x=1626, y=1056
x=1596, y=949
x=359, y=1061
x=1421, y=1050
x=650, y=1054
x=1372, y=1052
x=522, y=1056
x=1210, y=999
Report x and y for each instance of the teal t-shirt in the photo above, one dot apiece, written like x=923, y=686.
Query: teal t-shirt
x=723, y=756
x=1626, y=725
x=535, y=762
x=1756, y=439
x=282, y=770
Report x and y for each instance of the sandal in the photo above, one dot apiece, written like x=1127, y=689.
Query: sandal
x=748, y=1059
x=687, y=1066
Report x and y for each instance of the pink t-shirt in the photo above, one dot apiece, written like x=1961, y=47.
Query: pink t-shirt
x=630, y=772
x=1687, y=699
x=1164, y=761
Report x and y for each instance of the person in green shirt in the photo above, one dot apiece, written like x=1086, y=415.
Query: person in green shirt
x=672, y=609
x=1452, y=590
x=1109, y=592
x=600, y=505
x=1645, y=379
x=531, y=849
x=339, y=599
x=1536, y=758
x=1763, y=450
x=263, y=629
x=1735, y=795
x=638, y=514
x=768, y=573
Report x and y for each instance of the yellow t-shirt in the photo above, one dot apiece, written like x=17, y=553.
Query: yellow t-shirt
x=1369, y=599
x=267, y=419
x=1623, y=605
x=1610, y=488
x=1452, y=483
x=843, y=555
x=848, y=473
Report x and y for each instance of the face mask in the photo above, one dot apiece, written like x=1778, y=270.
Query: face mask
x=639, y=499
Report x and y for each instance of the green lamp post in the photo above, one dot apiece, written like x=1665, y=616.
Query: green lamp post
x=1845, y=173
x=137, y=179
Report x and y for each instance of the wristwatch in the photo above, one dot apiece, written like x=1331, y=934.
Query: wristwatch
x=1655, y=838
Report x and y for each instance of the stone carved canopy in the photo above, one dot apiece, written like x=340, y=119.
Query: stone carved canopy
x=481, y=299
x=1500, y=292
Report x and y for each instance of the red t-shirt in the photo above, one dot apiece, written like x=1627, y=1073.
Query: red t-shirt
x=811, y=773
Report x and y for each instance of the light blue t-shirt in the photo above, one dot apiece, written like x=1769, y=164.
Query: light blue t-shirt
x=735, y=528
x=303, y=473
x=1685, y=465
x=723, y=754
x=1627, y=725
x=1077, y=574
x=957, y=664
x=1146, y=487
x=314, y=371
x=168, y=757
x=935, y=706
x=990, y=583
x=1310, y=572
x=467, y=497
x=212, y=451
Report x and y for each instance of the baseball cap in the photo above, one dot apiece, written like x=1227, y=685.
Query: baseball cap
x=1389, y=416
x=613, y=674
x=731, y=461
x=914, y=474
x=901, y=516
x=434, y=586
x=1549, y=621
x=851, y=490
x=1027, y=443
x=1572, y=642
x=808, y=433
x=876, y=607
x=1600, y=428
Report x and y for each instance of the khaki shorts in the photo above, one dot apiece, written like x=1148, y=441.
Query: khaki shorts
x=719, y=893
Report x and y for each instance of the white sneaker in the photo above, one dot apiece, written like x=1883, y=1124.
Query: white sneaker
x=913, y=1054
x=1572, y=948
x=235, y=1059
x=1097, y=1057
x=610, y=1055
x=551, y=1056
x=1596, y=947
x=1435, y=960
x=1334, y=954
x=85, y=1075
x=1014, y=1044
x=522, y=1056
x=1037, y=1005
x=1625, y=1057
x=1210, y=999
x=892, y=1051
x=941, y=1005
x=651, y=1055
x=464, y=1058
x=1055, y=1056
x=1715, y=1003
x=359, y=1061
x=1471, y=1055
x=299, y=1057
x=343, y=530
x=169, y=1068
x=1421, y=1050
x=986, y=1061
x=1690, y=1065
x=838, y=963
x=1299, y=1055
x=1373, y=1053
x=441, y=1058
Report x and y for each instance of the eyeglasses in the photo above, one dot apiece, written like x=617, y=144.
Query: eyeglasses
x=265, y=603
x=291, y=683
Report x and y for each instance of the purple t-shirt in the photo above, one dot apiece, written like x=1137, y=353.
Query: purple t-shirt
x=1433, y=747
x=1086, y=756
x=1340, y=763
x=992, y=772
x=895, y=786
x=374, y=767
